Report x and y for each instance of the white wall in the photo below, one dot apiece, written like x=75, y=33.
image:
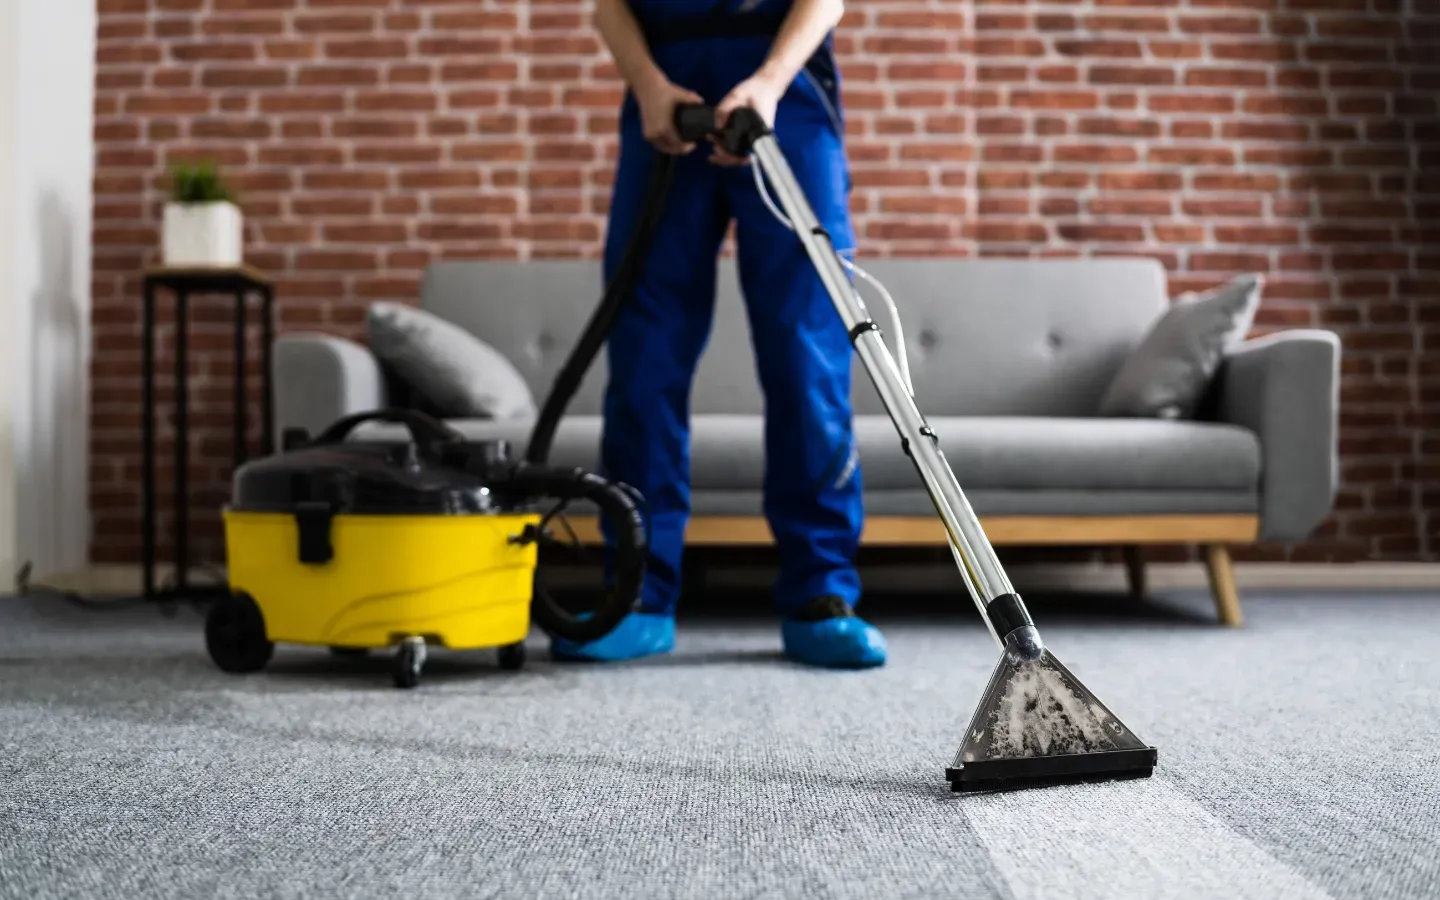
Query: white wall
x=47, y=76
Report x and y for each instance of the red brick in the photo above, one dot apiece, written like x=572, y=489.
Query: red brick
x=395, y=101
x=906, y=45
x=1102, y=49
x=1010, y=153
x=340, y=180
x=1145, y=24
x=1012, y=232
x=1191, y=156
x=1260, y=103
x=1288, y=156
x=336, y=75
x=947, y=72
x=1176, y=49
x=1027, y=99
x=325, y=205
x=1136, y=128
x=924, y=205
x=1192, y=130
x=1176, y=233
x=1221, y=24
x=1104, y=233
x=331, y=23
x=1095, y=153
x=1198, y=76
x=1140, y=181
x=1005, y=180
x=1216, y=261
x=1246, y=130
x=1256, y=234
x=1057, y=74
x=1131, y=206
x=922, y=20
x=1136, y=75
x=1190, y=103
x=1059, y=206
x=1055, y=22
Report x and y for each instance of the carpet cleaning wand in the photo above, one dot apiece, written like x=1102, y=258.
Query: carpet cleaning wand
x=1036, y=723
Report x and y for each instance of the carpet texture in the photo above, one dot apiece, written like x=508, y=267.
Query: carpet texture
x=1298, y=759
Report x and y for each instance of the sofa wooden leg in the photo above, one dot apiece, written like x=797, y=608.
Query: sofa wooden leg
x=1222, y=584
x=1134, y=570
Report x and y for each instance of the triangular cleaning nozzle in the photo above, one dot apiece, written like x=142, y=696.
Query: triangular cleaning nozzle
x=1037, y=724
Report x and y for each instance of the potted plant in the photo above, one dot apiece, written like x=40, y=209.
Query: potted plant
x=203, y=225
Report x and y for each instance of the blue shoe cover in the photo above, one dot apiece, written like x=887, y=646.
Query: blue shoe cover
x=637, y=635
x=840, y=643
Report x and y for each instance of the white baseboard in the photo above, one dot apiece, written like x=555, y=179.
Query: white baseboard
x=120, y=580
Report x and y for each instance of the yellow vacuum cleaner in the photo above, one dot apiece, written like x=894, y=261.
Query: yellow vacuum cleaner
x=357, y=546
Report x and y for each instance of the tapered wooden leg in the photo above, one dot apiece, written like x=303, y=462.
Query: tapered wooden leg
x=1134, y=570
x=1222, y=584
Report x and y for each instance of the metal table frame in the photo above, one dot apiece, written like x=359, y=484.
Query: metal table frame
x=241, y=283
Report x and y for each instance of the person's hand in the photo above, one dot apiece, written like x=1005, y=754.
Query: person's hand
x=761, y=92
x=657, y=114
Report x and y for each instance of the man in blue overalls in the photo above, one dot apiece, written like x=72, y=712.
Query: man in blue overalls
x=774, y=56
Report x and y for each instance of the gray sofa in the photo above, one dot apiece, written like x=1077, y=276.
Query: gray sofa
x=1009, y=359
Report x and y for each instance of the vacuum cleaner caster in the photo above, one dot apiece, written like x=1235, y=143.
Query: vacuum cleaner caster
x=409, y=660
x=235, y=635
x=512, y=656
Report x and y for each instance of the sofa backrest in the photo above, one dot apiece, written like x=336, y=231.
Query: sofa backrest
x=984, y=336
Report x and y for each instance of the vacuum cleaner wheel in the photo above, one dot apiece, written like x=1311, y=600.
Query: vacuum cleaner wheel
x=235, y=635
x=409, y=661
x=512, y=656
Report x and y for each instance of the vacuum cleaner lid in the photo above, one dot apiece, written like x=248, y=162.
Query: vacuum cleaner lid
x=362, y=479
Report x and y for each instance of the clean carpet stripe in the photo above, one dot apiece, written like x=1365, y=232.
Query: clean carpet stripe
x=1143, y=838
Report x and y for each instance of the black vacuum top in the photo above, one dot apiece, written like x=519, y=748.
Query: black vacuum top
x=371, y=479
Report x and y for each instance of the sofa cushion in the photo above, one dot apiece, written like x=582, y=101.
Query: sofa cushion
x=1168, y=374
x=1022, y=453
x=456, y=373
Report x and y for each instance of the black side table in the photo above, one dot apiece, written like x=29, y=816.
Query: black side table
x=241, y=283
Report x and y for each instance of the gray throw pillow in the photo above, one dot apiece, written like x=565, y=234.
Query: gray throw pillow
x=1167, y=375
x=459, y=374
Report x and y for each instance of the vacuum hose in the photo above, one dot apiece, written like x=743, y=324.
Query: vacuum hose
x=617, y=505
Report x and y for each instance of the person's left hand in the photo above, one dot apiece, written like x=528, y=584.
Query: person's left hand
x=761, y=93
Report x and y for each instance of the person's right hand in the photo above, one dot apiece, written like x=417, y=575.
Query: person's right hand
x=657, y=114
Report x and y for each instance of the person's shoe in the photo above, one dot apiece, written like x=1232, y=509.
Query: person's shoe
x=637, y=635
x=827, y=633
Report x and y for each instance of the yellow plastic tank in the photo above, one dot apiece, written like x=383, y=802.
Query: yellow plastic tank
x=358, y=547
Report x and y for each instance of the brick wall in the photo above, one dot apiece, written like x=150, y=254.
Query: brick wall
x=371, y=137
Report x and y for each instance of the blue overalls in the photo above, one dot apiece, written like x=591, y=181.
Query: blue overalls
x=812, y=486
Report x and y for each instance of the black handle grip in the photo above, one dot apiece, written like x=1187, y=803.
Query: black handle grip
x=696, y=122
x=426, y=431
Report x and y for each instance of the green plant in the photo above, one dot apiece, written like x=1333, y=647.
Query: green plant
x=199, y=182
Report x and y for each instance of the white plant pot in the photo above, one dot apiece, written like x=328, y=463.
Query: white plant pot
x=203, y=234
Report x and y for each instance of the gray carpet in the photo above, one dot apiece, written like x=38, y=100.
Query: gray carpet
x=1298, y=759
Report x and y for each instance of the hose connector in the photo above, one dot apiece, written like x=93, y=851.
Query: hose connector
x=1012, y=623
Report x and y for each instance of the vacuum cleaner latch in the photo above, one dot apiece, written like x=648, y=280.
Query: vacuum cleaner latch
x=313, y=519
